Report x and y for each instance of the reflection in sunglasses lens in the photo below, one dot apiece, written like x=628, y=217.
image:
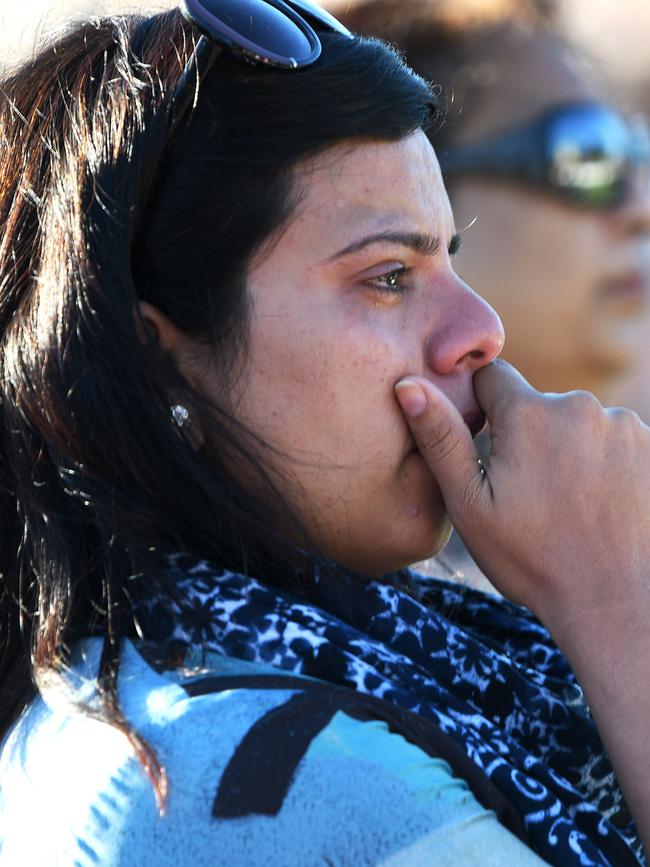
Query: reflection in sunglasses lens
x=588, y=154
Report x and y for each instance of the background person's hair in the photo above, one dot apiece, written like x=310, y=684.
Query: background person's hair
x=454, y=43
x=97, y=212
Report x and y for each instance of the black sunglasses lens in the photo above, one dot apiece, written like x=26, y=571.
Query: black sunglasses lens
x=588, y=154
x=257, y=27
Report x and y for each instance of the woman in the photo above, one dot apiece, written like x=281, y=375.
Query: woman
x=568, y=212
x=240, y=382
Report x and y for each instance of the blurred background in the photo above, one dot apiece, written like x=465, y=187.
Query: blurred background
x=616, y=34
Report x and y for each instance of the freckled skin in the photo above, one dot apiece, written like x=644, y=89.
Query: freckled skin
x=327, y=346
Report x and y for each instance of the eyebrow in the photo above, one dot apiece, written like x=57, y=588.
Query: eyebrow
x=426, y=245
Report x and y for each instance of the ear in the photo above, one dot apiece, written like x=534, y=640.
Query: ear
x=151, y=323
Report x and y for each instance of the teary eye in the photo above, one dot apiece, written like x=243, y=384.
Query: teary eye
x=391, y=281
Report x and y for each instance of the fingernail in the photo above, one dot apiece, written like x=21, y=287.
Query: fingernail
x=411, y=397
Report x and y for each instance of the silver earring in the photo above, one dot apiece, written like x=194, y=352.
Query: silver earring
x=179, y=414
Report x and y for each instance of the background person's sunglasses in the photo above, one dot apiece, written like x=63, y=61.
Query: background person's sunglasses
x=277, y=33
x=584, y=153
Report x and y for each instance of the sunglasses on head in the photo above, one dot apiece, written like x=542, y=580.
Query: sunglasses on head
x=277, y=33
x=584, y=153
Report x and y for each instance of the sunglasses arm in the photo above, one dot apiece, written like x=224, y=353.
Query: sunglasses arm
x=515, y=155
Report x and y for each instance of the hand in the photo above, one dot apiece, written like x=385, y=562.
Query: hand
x=560, y=521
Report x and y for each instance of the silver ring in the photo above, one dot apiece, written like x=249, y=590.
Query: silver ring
x=481, y=466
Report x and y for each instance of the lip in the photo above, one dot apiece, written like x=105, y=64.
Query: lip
x=630, y=285
x=475, y=421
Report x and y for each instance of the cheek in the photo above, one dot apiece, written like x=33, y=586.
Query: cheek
x=326, y=402
x=330, y=391
x=566, y=245
x=547, y=271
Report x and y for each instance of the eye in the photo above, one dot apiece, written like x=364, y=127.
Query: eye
x=455, y=244
x=392, y=281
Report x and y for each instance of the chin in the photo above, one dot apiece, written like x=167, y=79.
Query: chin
x=435, y=541
x=414, y=527
x=607, y=368
x=423, y=540
x=617, y=350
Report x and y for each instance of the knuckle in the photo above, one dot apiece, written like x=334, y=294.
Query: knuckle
x=581, y=413
x=439, y=442
x=628, y=427
x=582, y=403
x=624, y=416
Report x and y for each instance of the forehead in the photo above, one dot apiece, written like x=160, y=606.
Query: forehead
x=377, y=183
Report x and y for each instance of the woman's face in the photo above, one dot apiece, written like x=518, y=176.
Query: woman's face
x=570, y=285
x=355, y=292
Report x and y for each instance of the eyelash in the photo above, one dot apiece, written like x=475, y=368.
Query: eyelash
x=397, y=274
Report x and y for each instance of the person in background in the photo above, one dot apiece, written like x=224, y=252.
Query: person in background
x=633, y=390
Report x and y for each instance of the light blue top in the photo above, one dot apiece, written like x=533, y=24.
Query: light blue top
x=72, y=791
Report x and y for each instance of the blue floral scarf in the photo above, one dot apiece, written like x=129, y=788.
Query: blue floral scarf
x=483, y=669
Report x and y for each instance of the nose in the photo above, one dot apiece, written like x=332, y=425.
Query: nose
x=467, y=333
x=633, y=215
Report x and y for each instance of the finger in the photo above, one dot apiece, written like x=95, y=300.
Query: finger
x=499, y=386
x=445, y=443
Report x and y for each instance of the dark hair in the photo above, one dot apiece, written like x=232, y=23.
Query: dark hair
x=454, y=43
x=98, y=211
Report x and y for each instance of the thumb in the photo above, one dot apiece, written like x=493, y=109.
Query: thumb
x=445, y=443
